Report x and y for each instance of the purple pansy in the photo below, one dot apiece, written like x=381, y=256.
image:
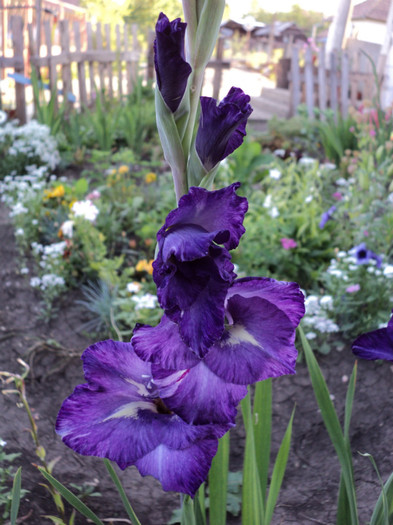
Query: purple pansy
x=119, y=414
x=365, y=256
x=191, y=271
x=222, y=127
x=327, y=216
x=375, y=345
x=257, y=343
x=171, y=68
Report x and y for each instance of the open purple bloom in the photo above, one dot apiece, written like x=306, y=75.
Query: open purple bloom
x=365, y=256
x=171, y=68
x=375, y=345
x=326, y=216
x=223, y=127
x=191, y=271
x=118, y=414
x=257, y=343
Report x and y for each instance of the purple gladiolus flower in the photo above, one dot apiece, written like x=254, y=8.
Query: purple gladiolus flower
x=326, y=216
x=191, y=271
x=364, y=255
x=257, y=343
x=375, y=345
x=223, y=127
x=171, y=68
x=119, y=414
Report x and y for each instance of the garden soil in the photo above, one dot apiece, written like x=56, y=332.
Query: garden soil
x=309, y=491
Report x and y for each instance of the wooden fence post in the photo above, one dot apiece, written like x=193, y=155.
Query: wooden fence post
x=333, y=83
x=17, y=44
x=66, y=65
x=309, y=81
x=81, y=67
x=109, y=70
x=322, y=83
x=344, y=83
x=89, y=32
x=295, y=81
x=119, y=62
x=51, y=65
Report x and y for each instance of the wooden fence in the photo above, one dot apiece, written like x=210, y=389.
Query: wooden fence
x=106, y=62
x=336, y=83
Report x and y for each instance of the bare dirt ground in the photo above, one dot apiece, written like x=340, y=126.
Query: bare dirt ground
x=310, y=486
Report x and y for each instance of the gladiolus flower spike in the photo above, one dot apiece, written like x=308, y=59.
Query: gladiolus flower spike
x=162, y=401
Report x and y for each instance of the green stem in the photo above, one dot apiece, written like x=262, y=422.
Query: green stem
x=127, y=505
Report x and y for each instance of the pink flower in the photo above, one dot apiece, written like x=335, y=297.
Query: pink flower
x=287, y=244
x=365, y=233
x=352, y=129
x=372, y=132
x=337, y=195
x=353, y=288
x=95, y=194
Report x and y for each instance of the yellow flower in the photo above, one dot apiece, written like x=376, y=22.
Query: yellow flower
x=114, y=171
x=150, y=177
x=123, y=169
x=72, y=203
x=145, y=266
x=56, y=192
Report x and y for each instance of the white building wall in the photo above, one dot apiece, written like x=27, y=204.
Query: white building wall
x=368, y=30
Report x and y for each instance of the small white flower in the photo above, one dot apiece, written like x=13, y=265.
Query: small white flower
x=275, y=174
x=327, y=302
x=67, y=229
x=85, y=209
x=133, y=287
x=307, y=161
x=311, y=335
x=329, y=166
x=279, y=152
x=341, y=182
x=308, y=199
x=35, y=282
x=268, y=201
x=390, y=197
x=341, y=254
x=145, y=301
x=19, y=232
x=24, y=271
x=388, y=270
x=3, y=117
x=312, y=304
x=2, y=443
x=274, y=213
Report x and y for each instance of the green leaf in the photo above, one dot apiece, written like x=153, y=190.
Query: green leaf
x=16, y=487
x=199, y=506
x=332, y=425
x=71, y=498
x=187, y=515
x=252, y=506
x=262, y=413
x=127, y=505
x=218, y=481
x=383, y=510
x=81, y=187
x=278, y=472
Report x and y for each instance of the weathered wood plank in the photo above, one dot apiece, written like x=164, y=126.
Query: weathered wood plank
x=344, y=84
x=322, y=82
x=333, y=83
x=119, y=61
x=50, y=65
x=80, y=66
x=109, y=70
x=90, y=49
x=309, y=81
x=101, y=67
x=17, y=42
x=66, y=68
x=295, y=80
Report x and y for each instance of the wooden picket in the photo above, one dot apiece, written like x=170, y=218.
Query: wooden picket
x=335, y=83
x=98, y=67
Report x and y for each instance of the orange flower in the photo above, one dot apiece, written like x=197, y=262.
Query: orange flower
x=56, y=192
x=145, y=266
x=150, y=177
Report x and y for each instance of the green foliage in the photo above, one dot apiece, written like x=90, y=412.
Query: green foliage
x=303, y=18
x=46, y=112
x=7, y=473
x=337, y=135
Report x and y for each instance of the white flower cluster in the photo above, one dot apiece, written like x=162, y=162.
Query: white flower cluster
x=32, y=140
x=147, y=300
x=273, y=210
x=85, y=209
x=48, y=280
x=317, y=316
x=15, y=191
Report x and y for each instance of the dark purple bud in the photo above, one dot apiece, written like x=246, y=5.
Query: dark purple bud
x=171, y=68
x=365, y=256
x=326, y=216
x=223, y=127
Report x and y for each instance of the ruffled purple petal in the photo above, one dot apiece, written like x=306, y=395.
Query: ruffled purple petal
x=221, y=128
x=117, y=414
x=193, y=294
x=287, y=296
x=171, y=68
x=197, y=395
x=218, y=212
x=375, y=345
x=180, y=470
x=258, y=342
x=163, y=345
